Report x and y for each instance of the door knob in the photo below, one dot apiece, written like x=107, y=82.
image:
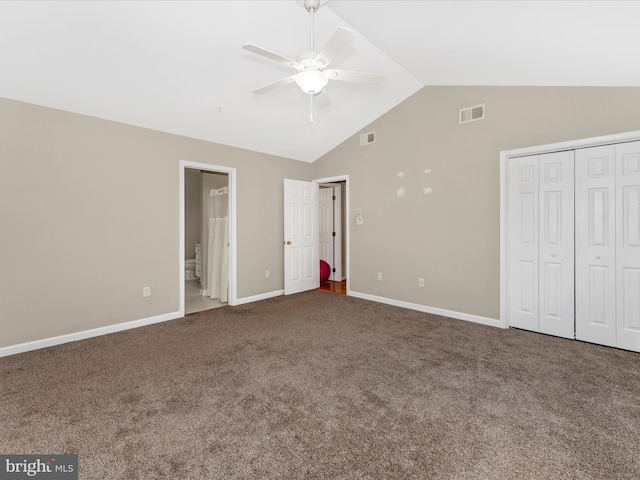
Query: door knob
x=288, y=242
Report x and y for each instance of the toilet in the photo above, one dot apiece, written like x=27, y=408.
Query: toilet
x=190, y=269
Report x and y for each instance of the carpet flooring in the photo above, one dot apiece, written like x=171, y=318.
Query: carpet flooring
x=318, y=385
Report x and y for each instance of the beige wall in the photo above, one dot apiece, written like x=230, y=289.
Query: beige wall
x=451, y=237
x=90, y=214
x=89, y=208
x=192, y=211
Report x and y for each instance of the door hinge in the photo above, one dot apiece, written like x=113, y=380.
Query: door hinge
x=334, y=270
x=334, y=234
x=333, y=198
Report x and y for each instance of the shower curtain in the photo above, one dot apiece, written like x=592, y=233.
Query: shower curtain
x=218, y=244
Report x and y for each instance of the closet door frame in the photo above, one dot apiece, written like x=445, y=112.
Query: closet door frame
x=505, y=156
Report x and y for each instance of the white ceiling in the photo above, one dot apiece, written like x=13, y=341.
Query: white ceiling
x=178, y=66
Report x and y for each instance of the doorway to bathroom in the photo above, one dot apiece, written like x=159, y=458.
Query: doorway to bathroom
x=207, y=258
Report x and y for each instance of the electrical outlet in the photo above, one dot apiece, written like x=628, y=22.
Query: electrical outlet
x=380, y=276
x=146, y=291
x=421, y=282
x=267, y=274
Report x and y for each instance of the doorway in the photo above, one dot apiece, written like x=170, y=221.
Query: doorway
x=200, y=185
x=334, y=231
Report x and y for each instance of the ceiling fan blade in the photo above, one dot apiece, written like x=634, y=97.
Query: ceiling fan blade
x=271, y=55
x=336, y=44
x=358, y=77
x=275, y=85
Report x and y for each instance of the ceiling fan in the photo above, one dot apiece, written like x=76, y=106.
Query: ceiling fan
x=313, y=68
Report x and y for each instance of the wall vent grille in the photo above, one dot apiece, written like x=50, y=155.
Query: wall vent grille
x=471, y=114
x=367, y=138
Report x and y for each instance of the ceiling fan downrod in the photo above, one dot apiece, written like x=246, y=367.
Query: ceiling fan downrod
x=312, y=11
x=312, y=7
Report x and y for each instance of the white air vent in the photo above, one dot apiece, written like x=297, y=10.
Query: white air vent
x=471, y=114
x=367, y=138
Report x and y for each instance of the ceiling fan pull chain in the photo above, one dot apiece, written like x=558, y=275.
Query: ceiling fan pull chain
x=311, y=108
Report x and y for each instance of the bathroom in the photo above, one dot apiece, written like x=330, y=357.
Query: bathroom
x=206, y=240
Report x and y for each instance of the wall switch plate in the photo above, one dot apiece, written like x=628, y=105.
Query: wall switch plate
x=267, y=274
x=359, y=219
x=146, y=291
x=380, y=276
x=421, y=282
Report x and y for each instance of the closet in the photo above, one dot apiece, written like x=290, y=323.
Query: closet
x=573, y=244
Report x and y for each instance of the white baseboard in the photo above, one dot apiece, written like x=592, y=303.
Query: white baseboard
x=426, y=309
x=94, y=332
x=255, y=298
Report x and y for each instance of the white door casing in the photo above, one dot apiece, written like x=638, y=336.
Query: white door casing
x=233, y=261
x=595, y=250
x=301, y=239
x=628, y=245
x=556, y=244
x=342, y=234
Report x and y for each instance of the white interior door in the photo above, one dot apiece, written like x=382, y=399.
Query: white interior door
x=301, y=239
x=556, y=248
x=595, y=245
x=325, y=201
x=628, y=245
x=522, y=242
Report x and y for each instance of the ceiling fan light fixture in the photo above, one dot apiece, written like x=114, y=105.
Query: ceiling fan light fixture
x=312, y=81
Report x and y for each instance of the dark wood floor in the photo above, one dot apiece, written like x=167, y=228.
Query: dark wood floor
x=335, y=287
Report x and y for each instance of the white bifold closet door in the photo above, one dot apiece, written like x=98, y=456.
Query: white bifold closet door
x=522, y=248
x=540, y=245
x=608, y=245
x=628, y=245
x=596, y=245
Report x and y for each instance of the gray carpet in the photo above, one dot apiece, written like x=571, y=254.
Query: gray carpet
x=319, y=385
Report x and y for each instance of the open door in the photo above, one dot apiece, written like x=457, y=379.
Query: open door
x=301, y=238
x=330, y=230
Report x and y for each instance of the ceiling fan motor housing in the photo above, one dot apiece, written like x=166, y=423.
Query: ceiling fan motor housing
x=308, y=61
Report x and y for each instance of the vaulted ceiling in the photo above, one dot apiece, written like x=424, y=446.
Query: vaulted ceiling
x=179, y=67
